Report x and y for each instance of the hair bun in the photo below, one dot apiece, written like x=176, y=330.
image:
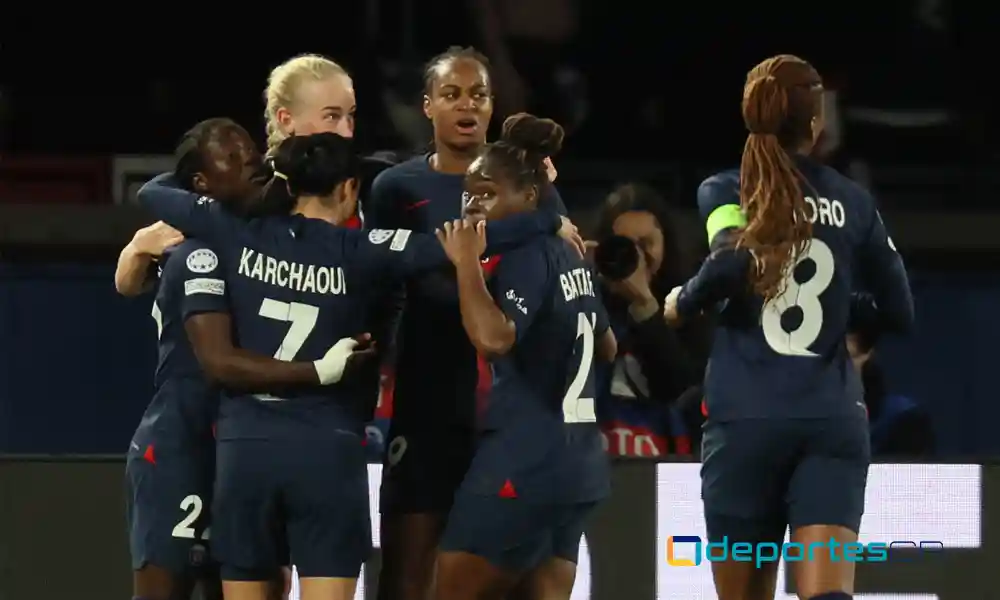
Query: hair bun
x=307, y=161
x=543, y=137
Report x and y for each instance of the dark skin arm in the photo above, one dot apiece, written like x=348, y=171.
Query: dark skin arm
x=607, y=346
x=211, y=339
x=489, y=329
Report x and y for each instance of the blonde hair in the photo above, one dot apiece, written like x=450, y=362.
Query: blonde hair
x=283, y=84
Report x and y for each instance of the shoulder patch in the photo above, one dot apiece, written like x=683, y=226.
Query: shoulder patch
x=380, y=236
x=399, y=240
x=202, y=260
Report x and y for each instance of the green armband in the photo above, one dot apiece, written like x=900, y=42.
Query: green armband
x=724, y=217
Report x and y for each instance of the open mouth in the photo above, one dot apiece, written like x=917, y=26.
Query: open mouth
x=467, y=126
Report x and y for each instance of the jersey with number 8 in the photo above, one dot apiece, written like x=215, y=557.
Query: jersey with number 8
x=787, y=357
x=541, y=408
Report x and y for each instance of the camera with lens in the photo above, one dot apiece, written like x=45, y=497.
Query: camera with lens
x=616, y=257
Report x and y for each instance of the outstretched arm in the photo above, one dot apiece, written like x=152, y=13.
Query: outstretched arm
x=132, y=275
x=194, y=215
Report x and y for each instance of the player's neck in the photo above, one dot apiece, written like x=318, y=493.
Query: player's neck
x=451, y=161
x=314, y=208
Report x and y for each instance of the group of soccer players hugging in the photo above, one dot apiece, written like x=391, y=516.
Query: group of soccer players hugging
x=277, y=288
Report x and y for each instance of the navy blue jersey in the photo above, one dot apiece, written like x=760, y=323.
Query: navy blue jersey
x=787, y=357
x=296, y=286
x=435, y=369
x=184, y=405
x=544, y=388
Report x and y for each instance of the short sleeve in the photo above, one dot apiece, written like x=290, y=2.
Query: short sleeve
x=719, y=204
x=520, y=284
x=202, y=274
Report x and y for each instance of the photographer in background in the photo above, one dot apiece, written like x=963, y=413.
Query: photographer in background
x=639, y=260
x=899, y=426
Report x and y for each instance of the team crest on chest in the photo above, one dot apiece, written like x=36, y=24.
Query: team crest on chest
x=202, y=260
x=380, y=236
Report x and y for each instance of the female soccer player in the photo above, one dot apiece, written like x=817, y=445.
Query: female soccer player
x=291, y=468
x=308, y=94
x=171, y=458
x=539, y=467
x=786, y=442
x=432, y=431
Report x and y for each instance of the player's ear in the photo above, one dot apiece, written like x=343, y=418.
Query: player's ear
x=199, y=183
x=284, y=118
x=531, y=196
x=427, y=106
x=349, y=189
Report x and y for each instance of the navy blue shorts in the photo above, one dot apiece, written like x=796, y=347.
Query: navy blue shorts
x=512, y=534
x=281, y=499
x=167, y=507
x=759, y=476
x=424, y=470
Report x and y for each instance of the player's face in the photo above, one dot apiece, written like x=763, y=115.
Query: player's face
x=493, y=198
x=460, y=104
x=642, y=228
x=232, y=160
x=323, y=106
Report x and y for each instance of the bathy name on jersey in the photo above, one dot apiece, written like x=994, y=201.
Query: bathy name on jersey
x=576, y=283
x=292, y=275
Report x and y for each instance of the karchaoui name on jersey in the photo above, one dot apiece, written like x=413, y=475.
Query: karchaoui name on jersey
x=292, y=275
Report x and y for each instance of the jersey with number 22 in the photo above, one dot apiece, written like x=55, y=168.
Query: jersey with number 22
x=540, y=424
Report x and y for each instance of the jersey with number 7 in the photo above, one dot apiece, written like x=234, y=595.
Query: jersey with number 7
x=296, y=286
x=787, y=358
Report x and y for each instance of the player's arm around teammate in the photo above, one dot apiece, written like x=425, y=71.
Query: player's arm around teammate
x=132, y=276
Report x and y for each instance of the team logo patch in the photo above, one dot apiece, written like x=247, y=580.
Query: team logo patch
x=202, y=260
x=380, y=236
x=397, y=448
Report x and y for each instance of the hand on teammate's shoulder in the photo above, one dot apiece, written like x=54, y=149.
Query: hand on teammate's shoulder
x=463, y=241
x=569, y=232
x=154, y=239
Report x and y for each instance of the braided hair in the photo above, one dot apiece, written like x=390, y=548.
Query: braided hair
x=782, y=96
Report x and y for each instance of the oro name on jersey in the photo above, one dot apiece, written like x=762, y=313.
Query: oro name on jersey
x=292, y=275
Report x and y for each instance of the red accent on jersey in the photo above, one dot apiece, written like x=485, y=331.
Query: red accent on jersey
x=508, y=491
x=484, y=383
x=704, y=408
x=148, y=455
x=353, y=223
x=416, y=204
x=490, y=264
